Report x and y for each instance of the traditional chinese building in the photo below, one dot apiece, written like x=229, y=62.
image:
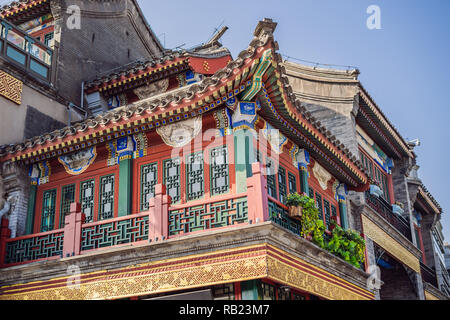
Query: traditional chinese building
x=176, y=186
x=390, y=212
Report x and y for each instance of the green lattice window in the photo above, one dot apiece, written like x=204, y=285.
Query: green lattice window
x=87, y=199
x=311, y=193
x=334, y=212
x=271, y=179
x=292, y=183
x=149, y=179
x=319, y=205
x=48, y=211
x=172, y=179
x=282, y=187
x=67, y=198
x=106, y=203
x=220, y=180
x=195, y=176
x=48, y=39
x=327, y=213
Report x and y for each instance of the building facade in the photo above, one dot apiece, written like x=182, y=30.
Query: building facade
x=175, y=186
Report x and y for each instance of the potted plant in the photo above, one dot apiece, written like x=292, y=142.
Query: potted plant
x=304, y=209
x=294, y=201
x=347, y=244
x=398, y=208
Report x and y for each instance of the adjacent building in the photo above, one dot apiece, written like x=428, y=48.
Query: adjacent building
x=172, y=182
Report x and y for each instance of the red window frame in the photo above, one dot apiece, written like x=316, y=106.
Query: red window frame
x=62, y=179
x=285, y=161
x=162, y=152
x=327, y=195
x=420, y=242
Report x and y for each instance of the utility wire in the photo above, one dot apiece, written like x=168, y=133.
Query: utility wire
x=318, y=64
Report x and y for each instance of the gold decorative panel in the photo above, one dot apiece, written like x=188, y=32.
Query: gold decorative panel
x=11, y=88
x=294, y=272
x=388, y=243
x=430, y=296
x=228, y=266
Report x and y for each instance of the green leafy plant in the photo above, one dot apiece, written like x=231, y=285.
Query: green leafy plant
x=312, y=226
x=347, y=244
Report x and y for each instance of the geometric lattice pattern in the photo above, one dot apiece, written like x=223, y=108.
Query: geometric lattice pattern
x=271, y=179
x=87, y=198
x=149, y=179
x=195, y=184
x=208, y=216
x=171, y=179
x=11, y=88
x=292, y=183
x=106, y=205
x=115, y=233
x=219, y=171
x=35, y=248
x=67, y=198
x=48, y=211
x=281, y=217
x=282, y=184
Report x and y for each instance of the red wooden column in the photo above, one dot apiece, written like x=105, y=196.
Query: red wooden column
x=5, y=234
x=72, y=231
x=159, y=215
x=258, y=208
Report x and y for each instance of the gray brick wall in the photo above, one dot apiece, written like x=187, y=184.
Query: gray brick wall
x=112, y=34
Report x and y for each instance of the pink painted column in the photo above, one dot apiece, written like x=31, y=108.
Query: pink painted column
x=159, y=215
x=5, y=234
x=72, y=231
x=258, y=208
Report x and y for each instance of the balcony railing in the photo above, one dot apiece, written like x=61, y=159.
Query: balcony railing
x=279, y=214
x=384, y=209
x=25, y=52
x=428, y=275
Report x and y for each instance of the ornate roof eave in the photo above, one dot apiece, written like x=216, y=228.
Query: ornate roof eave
x=195, y=100
x=151, y=70
x=141, y=116
x=429, y=200
x=282, y=107
x=376, y=120
x=23, y=10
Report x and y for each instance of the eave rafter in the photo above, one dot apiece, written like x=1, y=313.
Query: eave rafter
x=376, y=119
x=19, y=11
x=280, y=101
x=428, y=200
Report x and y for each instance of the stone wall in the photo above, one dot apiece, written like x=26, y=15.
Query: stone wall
x=16, y=187
x=112, y=34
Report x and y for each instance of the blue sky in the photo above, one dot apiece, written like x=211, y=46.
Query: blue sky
x=404, y=66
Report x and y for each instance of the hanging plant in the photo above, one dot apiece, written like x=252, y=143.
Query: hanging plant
x=312, y=228
x=348, y=245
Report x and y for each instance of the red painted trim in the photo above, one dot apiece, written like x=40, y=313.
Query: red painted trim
x=60, y=178
x=208, y=66
x=420, y=241
x=237, y=291
x=160, y=152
